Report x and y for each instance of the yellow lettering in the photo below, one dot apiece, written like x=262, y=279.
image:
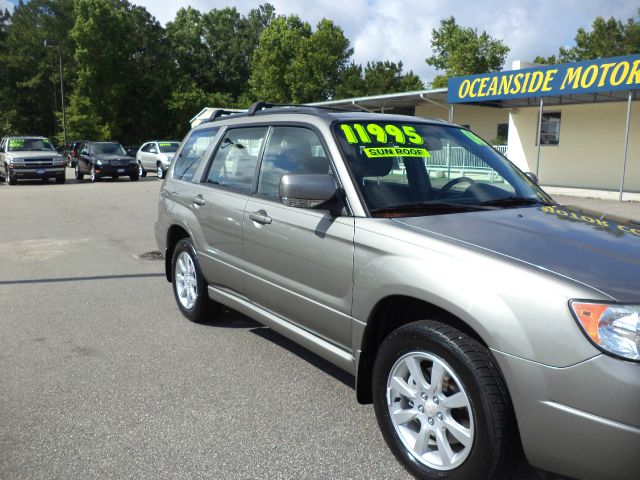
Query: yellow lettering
x=483, y=85
x=603, y=74
x=587, y=219
x=516, y=83
x=549, y=209
x=493, y=87
x=548, y=77
x=526, y=82
x=590, y=70
x=602, y=223
x=473, y=94
x=572, y=75
x=464, y=86
x=617, y=80
x=505, y=84
x=562, y=213
x=536, y=81
x=634, y=76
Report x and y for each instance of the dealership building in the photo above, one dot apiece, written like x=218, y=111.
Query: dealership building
x=574, y=125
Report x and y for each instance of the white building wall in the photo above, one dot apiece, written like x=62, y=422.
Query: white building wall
x=590, y=152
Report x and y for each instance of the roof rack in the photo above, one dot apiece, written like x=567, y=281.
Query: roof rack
x=221, y=112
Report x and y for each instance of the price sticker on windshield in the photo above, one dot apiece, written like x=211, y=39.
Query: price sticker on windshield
x=16, y=143
x=374, y=133
x=165, y=144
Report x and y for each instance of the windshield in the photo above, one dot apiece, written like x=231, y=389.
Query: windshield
x=168, y=147
x=408, y=169
x=107, y=149
x=29, y=145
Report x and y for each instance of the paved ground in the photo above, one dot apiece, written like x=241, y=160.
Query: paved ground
x=101, y=377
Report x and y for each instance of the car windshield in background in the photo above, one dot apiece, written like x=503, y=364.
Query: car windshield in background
x=29, y=145
x=107, y=149
x=169, y=147
x=408, y=169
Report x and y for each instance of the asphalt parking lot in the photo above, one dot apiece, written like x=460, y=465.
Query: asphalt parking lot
x=101, y=377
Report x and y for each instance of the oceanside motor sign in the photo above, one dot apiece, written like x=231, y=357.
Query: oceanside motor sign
x=600, y=75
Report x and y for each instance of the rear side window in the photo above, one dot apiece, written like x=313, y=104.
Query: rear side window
x=234, y=164
x=192, y=153
x=290, y=150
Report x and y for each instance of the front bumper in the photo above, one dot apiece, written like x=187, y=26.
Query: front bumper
x=39, y=172
x=582, y=421
x=117, y=170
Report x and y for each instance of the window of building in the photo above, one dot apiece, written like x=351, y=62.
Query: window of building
x=502, y=134
x=192, y=152
x=550, y=129
x=234, y=163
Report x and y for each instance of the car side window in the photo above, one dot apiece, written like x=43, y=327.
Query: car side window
x=145, y=147
x=152, y=148
x=290, y=150
x=234, y=163
x=192, y=152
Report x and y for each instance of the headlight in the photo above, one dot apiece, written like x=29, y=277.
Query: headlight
x=59, y=161
x=16, y=161
x=613, y=328
x=100, y=163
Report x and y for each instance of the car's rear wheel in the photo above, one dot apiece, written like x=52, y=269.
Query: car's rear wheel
x=134, y=177
x=189, y=285
x=160, y=170
x=442, y=405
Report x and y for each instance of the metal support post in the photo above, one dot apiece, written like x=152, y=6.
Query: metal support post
x=626, y=144
x=539, y=136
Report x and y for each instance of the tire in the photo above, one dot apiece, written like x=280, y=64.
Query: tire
x=141, y=171
x=61, y=179
x=135, y=177
x=11, y=180
x=93, y=175
x=79, y=175
x=467, y=421
x=160, y=171
x=189, y=286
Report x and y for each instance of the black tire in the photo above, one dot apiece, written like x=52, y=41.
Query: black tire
x=141, y=171
x=493, y=442
x=61, y=179
x=11, y=180
x=160, y=171
x=134, y=177
x=203, y=309
x=78, y=173
x=94, y=176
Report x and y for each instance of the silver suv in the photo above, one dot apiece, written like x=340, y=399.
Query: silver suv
x=479, y=316
x=30, y=158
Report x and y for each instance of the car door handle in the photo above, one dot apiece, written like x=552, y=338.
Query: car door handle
x=260, y=217
x=198, y=200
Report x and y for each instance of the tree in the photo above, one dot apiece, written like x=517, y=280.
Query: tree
x=377, y=78
x=29, y=81
x=607, y=38
x=461, y=51
x=124, y=73
x=294, y=64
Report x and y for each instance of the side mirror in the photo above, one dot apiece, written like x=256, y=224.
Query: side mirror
x=307, y=190
x=532, y=176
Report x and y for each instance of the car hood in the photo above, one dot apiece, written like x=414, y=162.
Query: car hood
x=108, y=157
x=34, y=154
x=595, y=249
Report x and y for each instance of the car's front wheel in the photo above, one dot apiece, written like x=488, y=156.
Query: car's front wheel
x=442, y=405
x=141, y=171
x=79, y=175
x=160, y=170
x=93, y=175
x=189, y=285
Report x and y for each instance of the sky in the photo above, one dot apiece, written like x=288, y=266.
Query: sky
x=400, y=30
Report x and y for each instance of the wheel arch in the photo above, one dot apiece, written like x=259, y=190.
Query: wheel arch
x=174, y=235
x=389, y=314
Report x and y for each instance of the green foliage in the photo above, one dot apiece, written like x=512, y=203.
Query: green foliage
x=377, y=78
x=294, y=64
x=607, y=38
x=462, y=51
x=187, y=101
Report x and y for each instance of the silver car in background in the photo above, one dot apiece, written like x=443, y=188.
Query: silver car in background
x=156, y=156
x=481, y=318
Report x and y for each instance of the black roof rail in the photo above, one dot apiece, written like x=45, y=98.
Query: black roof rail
x=219, y=113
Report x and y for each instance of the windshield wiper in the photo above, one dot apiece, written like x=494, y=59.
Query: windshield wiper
x=513, y=201
x=438, y=206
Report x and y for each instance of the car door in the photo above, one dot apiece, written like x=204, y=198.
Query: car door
x=300, y=261
x=222, y=199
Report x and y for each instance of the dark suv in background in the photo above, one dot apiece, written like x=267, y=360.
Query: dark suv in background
x=105, y=159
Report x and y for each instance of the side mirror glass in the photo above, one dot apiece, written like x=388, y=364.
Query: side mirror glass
x=532, y=176
x=307, y=190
